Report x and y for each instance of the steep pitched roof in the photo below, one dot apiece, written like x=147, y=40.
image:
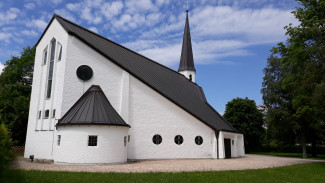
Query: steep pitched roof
x=187, y=61
x=92, y=108
x=167, y=82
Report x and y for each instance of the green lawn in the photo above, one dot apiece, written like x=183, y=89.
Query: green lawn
x=292, y=155
x=313, y=172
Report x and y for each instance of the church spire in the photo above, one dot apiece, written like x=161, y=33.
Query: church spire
x=187, y=61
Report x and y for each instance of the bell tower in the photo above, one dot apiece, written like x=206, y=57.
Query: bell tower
x=186, y=65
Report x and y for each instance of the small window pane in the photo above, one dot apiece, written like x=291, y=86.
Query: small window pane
x=92, y=140
x=178, y=139
x=39, y=114
x=125, y=140
x=59, y=140
x=198, y=140
x=53, y=49
x=60, y=53
x=47, y=112
x=156, y=139
x=49, y=88
x=45, y=57
x=53, y=113
x=51, y=70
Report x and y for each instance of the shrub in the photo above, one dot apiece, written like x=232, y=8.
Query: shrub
x=5, y=147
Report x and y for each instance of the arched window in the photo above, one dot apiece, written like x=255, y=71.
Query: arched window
x=156, y=139
x=51, y=68
x=190, y=77
x=178, y=139
x=198, y=140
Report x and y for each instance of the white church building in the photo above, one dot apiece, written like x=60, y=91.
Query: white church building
x=95, y=101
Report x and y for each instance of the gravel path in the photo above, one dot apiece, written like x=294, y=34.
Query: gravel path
x=186, y=165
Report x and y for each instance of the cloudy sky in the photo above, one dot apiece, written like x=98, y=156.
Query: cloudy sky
x=231, y=38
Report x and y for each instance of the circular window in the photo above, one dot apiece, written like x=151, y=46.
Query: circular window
x=178, y=139
x=198, y=140
x=84, y=72
x=156, y=139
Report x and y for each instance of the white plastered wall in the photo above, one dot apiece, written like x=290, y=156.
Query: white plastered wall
x=40, y=132
x=150, y=114
x=237, y=148
x=74, y=144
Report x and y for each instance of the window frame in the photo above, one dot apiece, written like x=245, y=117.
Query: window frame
x=50, y=75
x=44, y=58
x=92, y=140
x=59, y=51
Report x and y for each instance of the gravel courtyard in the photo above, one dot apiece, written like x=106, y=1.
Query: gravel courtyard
x=185, y=165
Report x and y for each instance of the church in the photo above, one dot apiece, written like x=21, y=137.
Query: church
x=95, y=101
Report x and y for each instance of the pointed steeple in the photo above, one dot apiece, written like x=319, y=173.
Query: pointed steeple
x=187, y=61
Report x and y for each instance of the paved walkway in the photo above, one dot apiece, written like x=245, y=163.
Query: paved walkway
x=247, y=162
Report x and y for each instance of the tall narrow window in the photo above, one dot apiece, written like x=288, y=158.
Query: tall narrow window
x=45, y=56
x=50, y=76
x=59, y=140
x=60, y=52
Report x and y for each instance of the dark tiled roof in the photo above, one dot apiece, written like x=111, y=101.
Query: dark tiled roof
x=187, y=61
x=170, y=84
x=92, y=108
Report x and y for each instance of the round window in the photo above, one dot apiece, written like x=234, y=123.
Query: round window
x=156, y=139
x=178, y=139
x=198, y=140
x=84, y=72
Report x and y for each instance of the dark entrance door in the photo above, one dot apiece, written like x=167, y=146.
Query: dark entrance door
x=227, y=148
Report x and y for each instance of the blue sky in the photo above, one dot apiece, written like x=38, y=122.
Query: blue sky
x=231, y=38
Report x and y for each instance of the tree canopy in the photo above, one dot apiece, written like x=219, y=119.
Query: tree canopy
x=15, y=90
x=246, y=118
x=294, y=81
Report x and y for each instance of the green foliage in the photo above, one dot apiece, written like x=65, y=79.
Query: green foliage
x=15, y=89
x=246, y=118
x=5, y=147
x=304, y=173
x=294, y=82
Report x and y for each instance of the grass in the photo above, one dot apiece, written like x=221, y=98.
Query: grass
x=291, y=155
x=313, y=172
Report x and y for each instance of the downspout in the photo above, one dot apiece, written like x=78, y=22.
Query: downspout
x=217, y=136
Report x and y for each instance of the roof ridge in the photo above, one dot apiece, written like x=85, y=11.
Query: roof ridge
x=118, y=44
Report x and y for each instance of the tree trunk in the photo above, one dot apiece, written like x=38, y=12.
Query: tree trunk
x=313, y=147
x=303, y=143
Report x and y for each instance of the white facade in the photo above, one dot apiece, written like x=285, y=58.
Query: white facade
x=73, y=146
x=146, y=111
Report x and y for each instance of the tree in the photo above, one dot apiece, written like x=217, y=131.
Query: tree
x=246, y=118
x=5, y=147
x=295, y=89
x=15, y=90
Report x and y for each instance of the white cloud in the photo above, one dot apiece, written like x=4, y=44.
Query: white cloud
x=30, y=6
x=94, y=29
x=66, y=14
x=39, y=23
x=5, y=37
x=29, y=33
x=1, y=67
x=73, y=6
x=111, y=10
x=8, y=16
x=139, y=6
